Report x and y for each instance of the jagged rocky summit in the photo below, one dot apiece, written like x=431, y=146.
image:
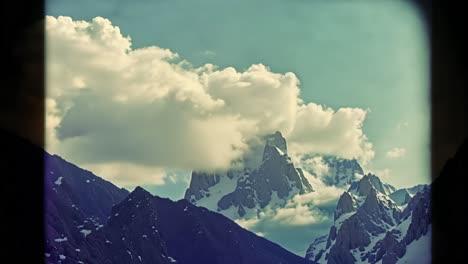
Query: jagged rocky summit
x=341, y=172
x=243, y=193
x=371, y=227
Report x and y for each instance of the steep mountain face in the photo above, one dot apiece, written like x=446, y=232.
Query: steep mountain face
x=130, y=235
x=148, y=229
x=77, y=203
x=370, y=227
x=341, y=172
x=243, y=193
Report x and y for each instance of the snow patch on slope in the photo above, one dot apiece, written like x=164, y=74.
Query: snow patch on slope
x=216, y=192
x=58, y=181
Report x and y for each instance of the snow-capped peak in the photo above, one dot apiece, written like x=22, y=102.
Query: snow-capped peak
x=243, y=193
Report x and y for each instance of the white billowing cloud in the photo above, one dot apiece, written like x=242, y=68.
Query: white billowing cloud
x=382, y=173
x=326, y=131
x=108, y=103
x=325, y=195
x=396, y=153
x=128, y=175
x=302, y=210
x=293, y=214
x=315, y=165
x=260, y=234
x=297, y=214
x=270, y=99
x=248, y=223
x=309, y=214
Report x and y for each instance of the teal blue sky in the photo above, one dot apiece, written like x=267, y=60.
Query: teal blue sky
x=367, y=54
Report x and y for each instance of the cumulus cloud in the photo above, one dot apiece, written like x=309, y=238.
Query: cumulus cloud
x=313, y=165
x=382, y=173
x=396, y=153
x=303, y=209
x=108, y=103
x=129, y=175
x=325, y=197
x=323, y=130
x=297, y=214
x=308, y=215
x=306, y=209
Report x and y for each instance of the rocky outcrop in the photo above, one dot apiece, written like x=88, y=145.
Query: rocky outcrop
x=200, y=184
x=242, y=197
x=420, y=210
x=379, y=209
x=345, y=205
x=341, y=172
x=307, y=187
x=352, y=234
x=363, y=186
x=315, y=250
x=278, y=141
x=277, y=174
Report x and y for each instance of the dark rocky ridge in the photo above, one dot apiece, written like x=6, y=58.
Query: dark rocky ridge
x=119, y=227
x=345, y=205
x=148, y=229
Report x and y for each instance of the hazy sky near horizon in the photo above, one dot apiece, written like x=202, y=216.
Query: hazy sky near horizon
x=339, y=77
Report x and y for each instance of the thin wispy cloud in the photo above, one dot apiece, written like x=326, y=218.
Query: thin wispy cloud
x=396, y=153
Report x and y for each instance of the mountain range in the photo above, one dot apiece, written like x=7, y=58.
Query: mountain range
x=371, y=227
x=90, y=220
x=373, y=221
x=244, y=193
